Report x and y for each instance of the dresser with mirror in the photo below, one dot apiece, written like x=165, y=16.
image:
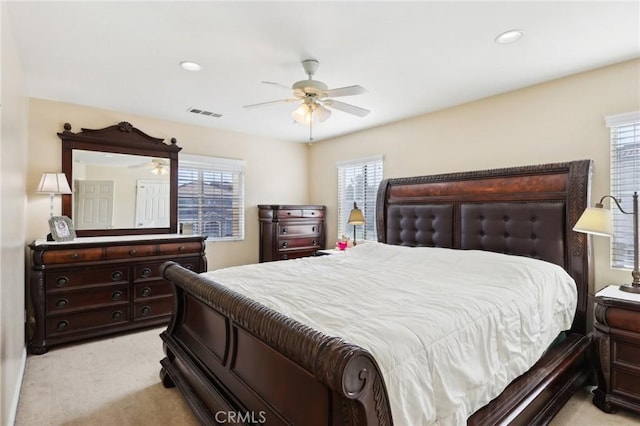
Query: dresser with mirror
x=124, y=210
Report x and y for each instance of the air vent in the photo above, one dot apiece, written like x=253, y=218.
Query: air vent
x=205, y=113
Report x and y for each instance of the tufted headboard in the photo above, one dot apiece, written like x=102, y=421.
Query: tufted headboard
x=527, y=211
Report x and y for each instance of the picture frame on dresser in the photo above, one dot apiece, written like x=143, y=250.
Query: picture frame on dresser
x=61, y=228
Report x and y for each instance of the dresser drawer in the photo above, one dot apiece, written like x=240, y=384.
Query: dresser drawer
x=73, y=322
x=319, y=214
x=59, y=280
x=129, y=252
x=144, y=291
x=60, y=302
x=295, y=254
x=627, y=384
x=290, y=213
x=179, y=248
x=146, y=271
x=299, y=229
x=285, y=243
x=71, y=256
x=626, y=354
x=152, y=308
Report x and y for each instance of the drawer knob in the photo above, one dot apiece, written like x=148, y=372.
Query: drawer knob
x=314, y=229
x=182, y=248
x=62, y=303
x=132, y=252
x=284, y=230
x=145, y=310
x=116, y=295
x=312, y=213
x=116, y=275
x=116, y=315
x=188, y=266
x=285, y=257
x=146, y=292
x=146, y=272
x=74, y=255
x=285, y=244
x=62, y=281
x=314, y=242
x=288, y=213
x=62, y=325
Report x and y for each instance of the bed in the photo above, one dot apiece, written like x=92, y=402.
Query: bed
x=236, y=359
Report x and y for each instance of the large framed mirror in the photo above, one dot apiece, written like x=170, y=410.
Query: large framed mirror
x=124, y=181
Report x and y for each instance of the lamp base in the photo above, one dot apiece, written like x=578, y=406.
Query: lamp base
x=630, y=288
x=50, y=237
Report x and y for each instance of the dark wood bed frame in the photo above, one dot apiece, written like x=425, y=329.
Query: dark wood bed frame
x=236, y=361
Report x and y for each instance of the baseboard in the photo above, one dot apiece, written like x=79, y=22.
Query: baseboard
x=16, y=395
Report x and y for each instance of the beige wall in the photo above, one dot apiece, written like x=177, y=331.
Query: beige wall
x=276, y=172
x=13, y=154
x=560, y=120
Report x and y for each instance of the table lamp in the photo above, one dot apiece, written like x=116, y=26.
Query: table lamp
x=355, y=218
x=52, y=184
x=597, y=221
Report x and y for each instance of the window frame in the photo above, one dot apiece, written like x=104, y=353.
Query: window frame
x=364, y=196
x=624, y=136
x=202, y=164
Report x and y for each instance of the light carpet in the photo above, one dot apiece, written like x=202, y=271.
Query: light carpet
x=115, y=381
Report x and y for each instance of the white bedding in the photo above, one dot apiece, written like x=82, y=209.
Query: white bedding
x=448, y=328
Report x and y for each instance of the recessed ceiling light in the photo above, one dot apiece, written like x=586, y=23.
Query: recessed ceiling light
x=510, y=36
x=190, y=66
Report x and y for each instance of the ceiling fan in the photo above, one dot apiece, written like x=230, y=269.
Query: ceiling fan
x=156, y=166
x=315, y=97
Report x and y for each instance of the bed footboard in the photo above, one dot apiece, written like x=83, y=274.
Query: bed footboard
x=238, y=362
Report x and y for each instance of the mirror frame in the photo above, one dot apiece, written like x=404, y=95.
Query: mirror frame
x=121, y=138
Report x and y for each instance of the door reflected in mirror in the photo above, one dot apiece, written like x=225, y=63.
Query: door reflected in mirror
x=120, y=191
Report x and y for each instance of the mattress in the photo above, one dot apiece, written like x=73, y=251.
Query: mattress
x=450, y=329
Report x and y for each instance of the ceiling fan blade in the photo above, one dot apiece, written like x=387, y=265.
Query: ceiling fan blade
x=348, y=108
x=261, y=104
x=277, y=84
x=345, y=91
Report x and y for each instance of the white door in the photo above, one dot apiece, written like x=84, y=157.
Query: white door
x=94, y=204
x=152, y=204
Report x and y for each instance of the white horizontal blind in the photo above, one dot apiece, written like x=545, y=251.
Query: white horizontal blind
x=211, y=196
x=625, y=179
x=358, y=181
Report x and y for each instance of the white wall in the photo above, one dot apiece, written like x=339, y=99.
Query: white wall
x=561, y=120
x=13, y=154
x=276, y=172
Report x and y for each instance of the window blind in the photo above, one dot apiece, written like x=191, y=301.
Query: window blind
x=358, y=181
x=625, y=179
x=211, y=196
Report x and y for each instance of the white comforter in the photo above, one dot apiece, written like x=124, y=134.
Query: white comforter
x=448, y=328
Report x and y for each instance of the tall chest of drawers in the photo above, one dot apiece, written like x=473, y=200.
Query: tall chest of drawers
x=290, y=231
x=94, y=286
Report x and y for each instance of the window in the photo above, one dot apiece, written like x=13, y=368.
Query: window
x=211, y=196
x=358, y=181
x=625, y=179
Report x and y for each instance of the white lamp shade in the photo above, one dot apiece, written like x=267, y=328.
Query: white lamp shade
x=54, y=183
x=596, y=221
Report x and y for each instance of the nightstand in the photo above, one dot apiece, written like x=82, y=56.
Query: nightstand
x=617, y=345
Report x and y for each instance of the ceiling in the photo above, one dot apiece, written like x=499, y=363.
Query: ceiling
x=411, y=57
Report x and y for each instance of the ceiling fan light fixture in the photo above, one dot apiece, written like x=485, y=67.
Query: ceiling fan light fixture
x=322, y=113
x=159, y=169
x=303, y=114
